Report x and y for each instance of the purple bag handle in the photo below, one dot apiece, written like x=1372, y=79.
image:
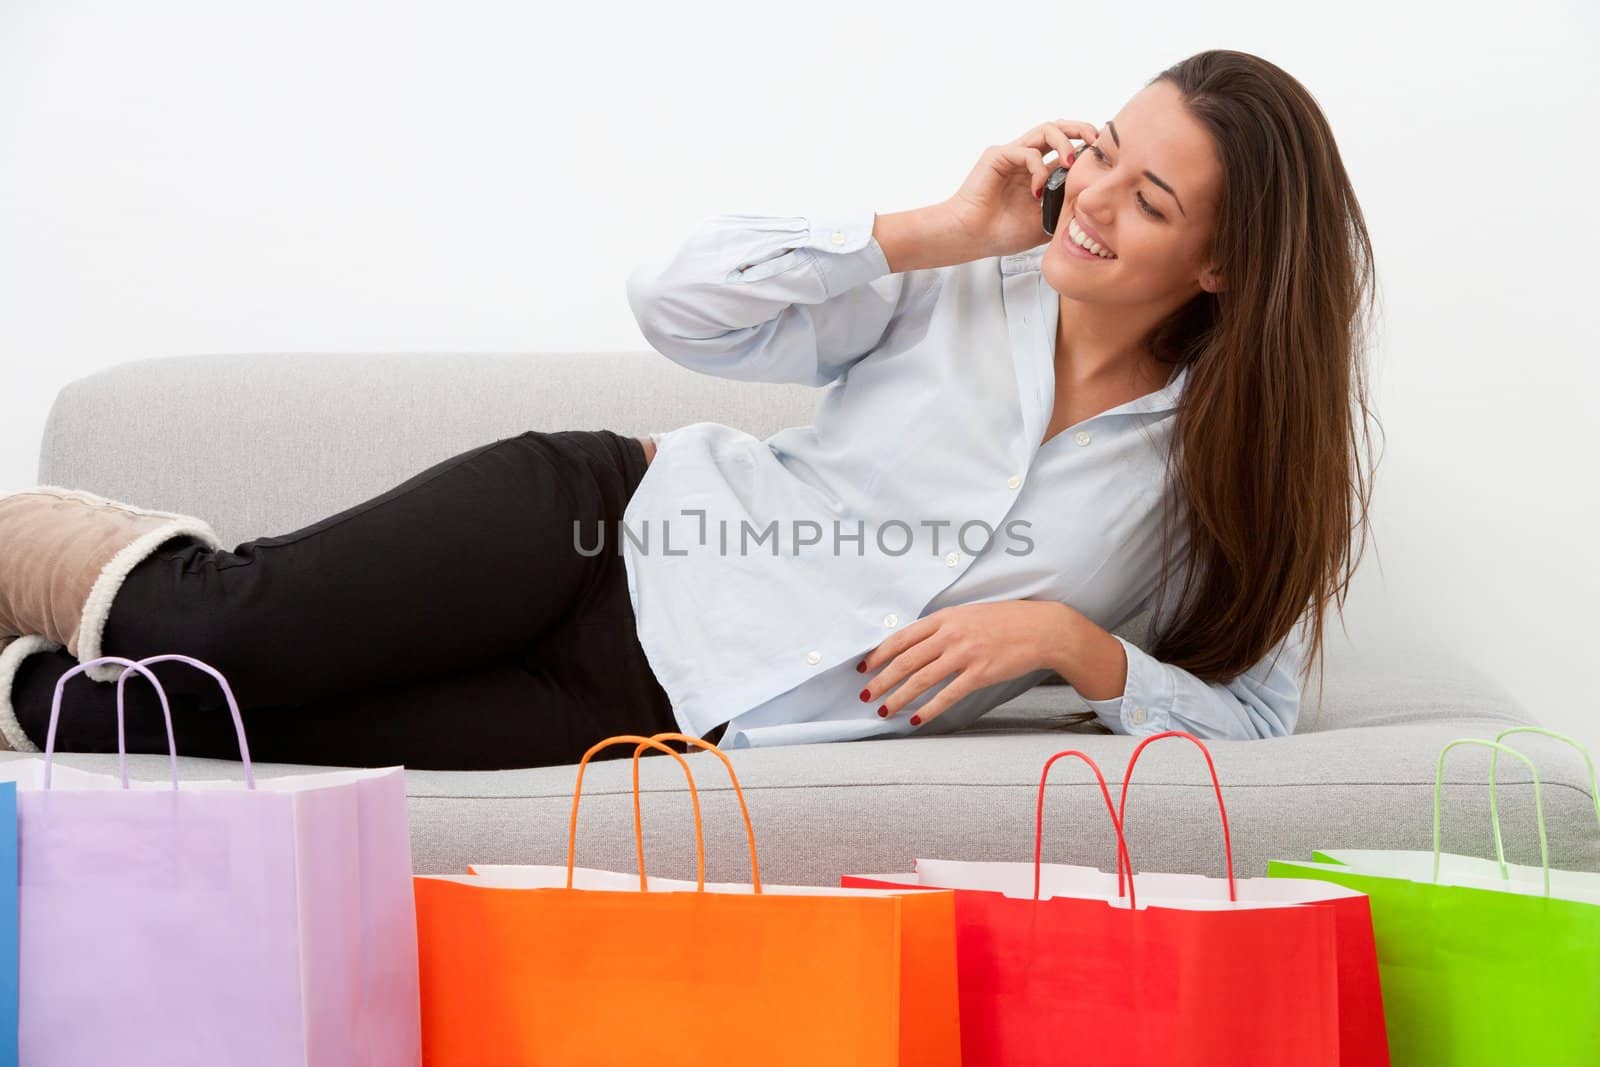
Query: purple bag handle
x=166, y=710
x=55, y=715
x=227, y=694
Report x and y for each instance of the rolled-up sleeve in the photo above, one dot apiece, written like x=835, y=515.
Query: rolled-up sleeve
x=787, y=299
x=1264, y=701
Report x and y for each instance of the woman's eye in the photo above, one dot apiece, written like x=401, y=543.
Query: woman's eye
x=1144, y=205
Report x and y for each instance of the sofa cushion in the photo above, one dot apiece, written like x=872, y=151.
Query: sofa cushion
x=822, y=810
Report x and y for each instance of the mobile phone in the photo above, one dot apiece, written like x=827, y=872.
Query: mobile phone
x=1055, y=196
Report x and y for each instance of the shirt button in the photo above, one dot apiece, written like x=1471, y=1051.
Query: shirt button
x=813, y=658
x=1139, y=716
x=891, y=619
x=1013, y=481
x=952, y=559
x=837, y=238
x=1082, y=437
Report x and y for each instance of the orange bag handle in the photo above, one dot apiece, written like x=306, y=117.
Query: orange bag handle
x=1222, y=809
x=700, y=845
x=577, y=792
x=1116, y=825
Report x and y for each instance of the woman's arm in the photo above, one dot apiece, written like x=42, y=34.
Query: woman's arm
x=923, y=238
x=1132, y=692
x=774, y=298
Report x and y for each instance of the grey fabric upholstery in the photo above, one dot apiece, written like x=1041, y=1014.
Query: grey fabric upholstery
x=263, y=444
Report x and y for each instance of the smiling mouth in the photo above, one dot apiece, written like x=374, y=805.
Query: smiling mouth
x=1075, y=235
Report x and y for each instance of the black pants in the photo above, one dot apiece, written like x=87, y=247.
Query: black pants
x=452, y=622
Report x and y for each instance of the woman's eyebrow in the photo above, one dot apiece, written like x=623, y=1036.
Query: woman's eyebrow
x=1118, y=142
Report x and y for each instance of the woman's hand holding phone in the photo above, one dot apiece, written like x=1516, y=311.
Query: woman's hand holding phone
x=998, y=207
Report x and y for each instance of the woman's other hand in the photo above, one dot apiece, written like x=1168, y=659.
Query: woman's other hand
x=977, y=644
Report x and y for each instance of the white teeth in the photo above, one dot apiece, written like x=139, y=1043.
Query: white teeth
x=1083, y=240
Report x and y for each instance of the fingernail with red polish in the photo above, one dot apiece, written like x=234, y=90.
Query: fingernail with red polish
x=866, y=694
x=916, y=720
x=883, y=711
x=862, y=666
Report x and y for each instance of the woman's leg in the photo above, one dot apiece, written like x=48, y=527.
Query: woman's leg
x=470, y=564
x=468, y=561
x=510, y=713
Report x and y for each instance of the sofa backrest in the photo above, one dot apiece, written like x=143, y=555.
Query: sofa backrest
x=262, y=444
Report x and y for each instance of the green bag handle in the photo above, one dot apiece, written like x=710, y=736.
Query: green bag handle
x=1594, y=787
x=1494, y=810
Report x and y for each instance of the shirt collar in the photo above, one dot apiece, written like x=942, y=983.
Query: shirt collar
x=1166, y=398
x=1162, y=400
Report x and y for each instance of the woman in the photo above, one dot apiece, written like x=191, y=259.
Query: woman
x=1021, y=447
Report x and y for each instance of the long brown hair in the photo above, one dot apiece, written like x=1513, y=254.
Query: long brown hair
x=1264, y=443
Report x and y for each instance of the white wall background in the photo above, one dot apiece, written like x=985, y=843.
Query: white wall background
x=181, y=177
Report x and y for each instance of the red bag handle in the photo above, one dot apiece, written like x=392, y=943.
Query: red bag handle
x=1116, y=825
x=1127, y=778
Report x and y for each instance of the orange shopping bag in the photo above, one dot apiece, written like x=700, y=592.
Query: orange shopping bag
x=566, y=966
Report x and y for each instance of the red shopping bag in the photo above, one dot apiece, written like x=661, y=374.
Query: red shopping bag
x=1057, y=962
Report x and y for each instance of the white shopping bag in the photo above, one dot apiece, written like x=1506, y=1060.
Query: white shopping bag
x=254, y=924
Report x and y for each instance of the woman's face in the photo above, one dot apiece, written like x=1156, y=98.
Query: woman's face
x=1149, y=186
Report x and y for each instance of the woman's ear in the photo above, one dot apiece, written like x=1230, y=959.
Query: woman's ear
x=1211, y=281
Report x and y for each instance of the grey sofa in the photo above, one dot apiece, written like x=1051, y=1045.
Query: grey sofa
x=263, y=444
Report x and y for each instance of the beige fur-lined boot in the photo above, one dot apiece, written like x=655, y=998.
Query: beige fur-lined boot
x=12, y=652
x=64, y=554
x=6, y=743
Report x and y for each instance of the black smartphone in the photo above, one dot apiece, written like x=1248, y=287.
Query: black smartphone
x=1054, y=197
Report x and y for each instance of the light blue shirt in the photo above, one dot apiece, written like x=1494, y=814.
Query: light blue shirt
x=938, y=385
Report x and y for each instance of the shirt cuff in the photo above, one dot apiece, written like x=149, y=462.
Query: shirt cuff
x=1145, y=706
x=842, y=233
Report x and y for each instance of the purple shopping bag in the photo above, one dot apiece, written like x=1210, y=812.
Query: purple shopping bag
x=241, y=923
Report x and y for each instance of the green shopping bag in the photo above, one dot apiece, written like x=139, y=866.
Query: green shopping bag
x=1480, y=962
